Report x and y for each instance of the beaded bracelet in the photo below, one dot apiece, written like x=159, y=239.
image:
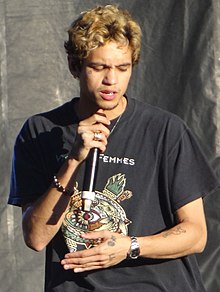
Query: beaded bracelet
x=60, y=188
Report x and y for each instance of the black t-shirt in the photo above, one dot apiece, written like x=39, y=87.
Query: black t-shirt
x=152, y=167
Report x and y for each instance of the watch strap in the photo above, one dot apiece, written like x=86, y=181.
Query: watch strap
x=134, y=250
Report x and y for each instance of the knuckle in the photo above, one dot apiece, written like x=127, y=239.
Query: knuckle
x=81, y=124
x=101, y=254
x=78, y=262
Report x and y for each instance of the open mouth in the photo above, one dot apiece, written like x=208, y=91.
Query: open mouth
x=107, y=94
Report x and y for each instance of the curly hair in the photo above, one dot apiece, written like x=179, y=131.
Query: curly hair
x=96, y=27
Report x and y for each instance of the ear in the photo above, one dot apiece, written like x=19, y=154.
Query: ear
x=74, y=71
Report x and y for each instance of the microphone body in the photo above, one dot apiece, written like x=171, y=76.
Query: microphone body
x=88, y=193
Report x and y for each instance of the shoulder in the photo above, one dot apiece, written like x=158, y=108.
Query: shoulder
x=150, y=114
x=60, y=116
x=161, y=127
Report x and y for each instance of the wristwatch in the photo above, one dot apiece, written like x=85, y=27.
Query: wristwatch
x=134, y=250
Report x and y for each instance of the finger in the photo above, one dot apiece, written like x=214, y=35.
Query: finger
x=97, y=136
x=96, y=119
x=93, y=128
x=91, y=265
x=88, y=262
x=85, y=261
x=82, y=254
x=89, y=268
x=89, y=138
x=88, y=141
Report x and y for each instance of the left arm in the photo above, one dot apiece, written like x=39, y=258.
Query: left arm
x=187, y=237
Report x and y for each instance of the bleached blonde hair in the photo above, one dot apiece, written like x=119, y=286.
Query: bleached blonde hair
x=98, y=26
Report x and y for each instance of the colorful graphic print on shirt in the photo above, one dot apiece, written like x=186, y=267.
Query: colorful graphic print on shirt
x=106, y=213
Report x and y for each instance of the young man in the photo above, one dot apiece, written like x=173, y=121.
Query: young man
x=146, y=219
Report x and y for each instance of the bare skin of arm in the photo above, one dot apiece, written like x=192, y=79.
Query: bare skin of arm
x=187, y=237
x=42, y=219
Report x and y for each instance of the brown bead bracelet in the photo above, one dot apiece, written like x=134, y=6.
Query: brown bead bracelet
x=60, y=188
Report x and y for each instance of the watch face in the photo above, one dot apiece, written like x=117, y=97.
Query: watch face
x=134, y=253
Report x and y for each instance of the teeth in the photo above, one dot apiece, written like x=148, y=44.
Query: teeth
x=110, y=93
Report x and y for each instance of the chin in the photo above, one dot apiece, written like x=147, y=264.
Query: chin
x=108, y=105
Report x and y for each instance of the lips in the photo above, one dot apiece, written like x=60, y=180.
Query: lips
x=108, y=94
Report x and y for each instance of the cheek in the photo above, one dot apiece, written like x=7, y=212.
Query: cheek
x=89, y=72
x=125, y=80
x=90, y=84
x=93, y=80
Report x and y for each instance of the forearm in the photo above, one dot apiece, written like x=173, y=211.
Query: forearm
x=42, y=219
x=187, y=237
x=183, y=239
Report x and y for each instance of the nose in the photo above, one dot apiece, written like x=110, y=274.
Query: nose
x=110, y=76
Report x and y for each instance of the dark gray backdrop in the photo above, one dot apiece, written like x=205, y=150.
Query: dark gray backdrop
x=178, y=71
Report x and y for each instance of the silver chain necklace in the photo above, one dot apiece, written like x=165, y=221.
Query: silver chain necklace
x=116, y=123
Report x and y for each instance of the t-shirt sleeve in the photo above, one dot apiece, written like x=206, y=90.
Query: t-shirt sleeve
x=190, y=175
x=28, y=176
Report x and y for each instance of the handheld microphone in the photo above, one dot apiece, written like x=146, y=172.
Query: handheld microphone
x=88, y=193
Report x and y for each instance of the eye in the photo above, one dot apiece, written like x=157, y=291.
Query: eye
x=97, y=67
x=123, y=68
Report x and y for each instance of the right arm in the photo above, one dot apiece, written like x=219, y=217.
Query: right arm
x=42, y=219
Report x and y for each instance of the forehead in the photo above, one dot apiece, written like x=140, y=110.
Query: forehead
x=111, y=53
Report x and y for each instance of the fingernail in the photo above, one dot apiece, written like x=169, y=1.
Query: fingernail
x=77, y=270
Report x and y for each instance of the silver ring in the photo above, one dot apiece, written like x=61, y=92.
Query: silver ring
x=97, y=136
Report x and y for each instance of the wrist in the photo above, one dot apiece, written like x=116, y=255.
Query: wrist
x=134, y=250
x=64, y=190
x=78, y=153
x=73, y=160
x=64, y=180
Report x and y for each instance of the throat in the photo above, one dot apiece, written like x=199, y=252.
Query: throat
x=114, y=113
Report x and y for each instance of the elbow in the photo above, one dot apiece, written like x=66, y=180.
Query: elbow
x=32, y=237
x=201, y=243
x=33, y=242
x=34, y=245
x=200, y=247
